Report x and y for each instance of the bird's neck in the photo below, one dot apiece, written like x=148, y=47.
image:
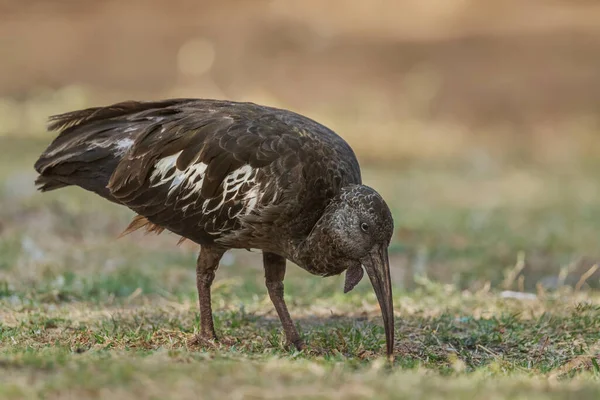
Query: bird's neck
x=313, y=256
x=317, y=252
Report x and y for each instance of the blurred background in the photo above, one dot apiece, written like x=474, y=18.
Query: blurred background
x=478, y=121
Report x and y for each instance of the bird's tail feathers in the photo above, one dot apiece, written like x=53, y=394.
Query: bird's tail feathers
x=92, y=142
x=89, y=146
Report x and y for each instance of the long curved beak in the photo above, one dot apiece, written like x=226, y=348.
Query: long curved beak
x=377, y=265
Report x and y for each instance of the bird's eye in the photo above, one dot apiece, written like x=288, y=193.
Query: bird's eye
x=364, y=227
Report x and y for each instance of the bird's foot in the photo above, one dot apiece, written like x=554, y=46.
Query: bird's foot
x=298, y=344
x=210, y=341
x=203, y=341
x=227, y=341
x=315, y=351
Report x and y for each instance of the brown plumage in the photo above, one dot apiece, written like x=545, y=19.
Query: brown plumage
x=140, y=222
x=231, y=175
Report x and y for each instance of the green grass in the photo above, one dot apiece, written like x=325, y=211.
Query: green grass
x=83, y=314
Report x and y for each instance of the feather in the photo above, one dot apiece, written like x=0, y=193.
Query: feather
x=209, y=170
x=140, y=222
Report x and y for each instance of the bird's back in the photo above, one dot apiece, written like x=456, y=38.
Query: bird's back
x=238, y=174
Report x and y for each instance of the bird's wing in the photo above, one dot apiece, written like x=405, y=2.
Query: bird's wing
x=197, y=171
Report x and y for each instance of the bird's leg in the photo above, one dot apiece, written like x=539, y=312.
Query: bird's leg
x=208, y=262
x=274, y=274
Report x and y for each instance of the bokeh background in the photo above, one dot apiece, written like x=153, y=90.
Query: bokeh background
x=478, y=121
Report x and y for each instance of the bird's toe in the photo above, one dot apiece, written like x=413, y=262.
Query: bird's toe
x=210, y=342
x=315, y=351
x=227, y=341
x=299, y=344
x=202, y=341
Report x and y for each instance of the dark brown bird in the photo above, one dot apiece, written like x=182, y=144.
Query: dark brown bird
x=232, y=175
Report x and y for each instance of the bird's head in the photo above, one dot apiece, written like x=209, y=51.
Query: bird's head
x=359, y=228
x=359, y=221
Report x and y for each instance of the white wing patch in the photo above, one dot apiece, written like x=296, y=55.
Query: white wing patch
x=251, y=199
x=189, y=182
x=165, y=171
x=123, y=145
x=231, y=185
x=162, y=167
x=119, y=147
x=194, y=175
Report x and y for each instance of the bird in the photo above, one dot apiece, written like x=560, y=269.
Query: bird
x=232, y=175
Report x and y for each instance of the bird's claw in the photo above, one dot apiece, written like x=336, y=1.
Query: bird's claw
x=201, y=340
x=209, y=341
x=315, y=351
x=308, y=350
x=298, y=344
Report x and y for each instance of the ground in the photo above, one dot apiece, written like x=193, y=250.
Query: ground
x=493, y=269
